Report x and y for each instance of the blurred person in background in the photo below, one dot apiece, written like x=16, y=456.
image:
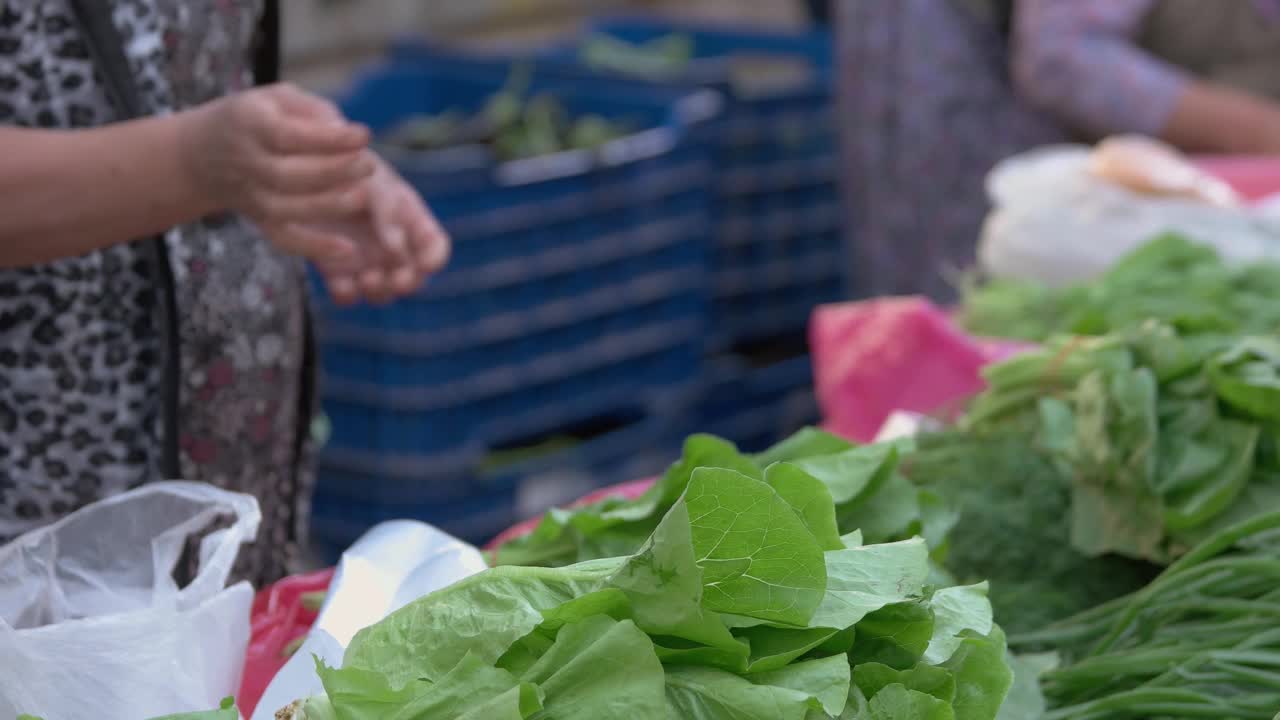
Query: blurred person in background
x=1203, y=76
x=156, y=211
x=933, y=93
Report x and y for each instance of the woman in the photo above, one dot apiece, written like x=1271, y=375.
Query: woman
x=1202, y=76
x=125, y=359
x=935, y=92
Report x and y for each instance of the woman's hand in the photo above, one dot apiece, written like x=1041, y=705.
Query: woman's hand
x=398, y=243
x=282, y=157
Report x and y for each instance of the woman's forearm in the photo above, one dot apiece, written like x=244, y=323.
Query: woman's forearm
x=1213, y=119
x=64, y=193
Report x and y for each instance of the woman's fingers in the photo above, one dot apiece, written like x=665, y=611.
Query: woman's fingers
x=391, y=213
x=289, y=135
x=337, y=206
x=324, y=248
x=296, y=101
x=343, y=289
x=301, y=174
x=431, y=246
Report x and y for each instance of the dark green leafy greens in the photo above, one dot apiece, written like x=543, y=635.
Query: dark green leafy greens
x=1164, y=439
x=511, y=125
x=1170, y=279
x=855, y=488
x=1014, y=527
x=739, y=605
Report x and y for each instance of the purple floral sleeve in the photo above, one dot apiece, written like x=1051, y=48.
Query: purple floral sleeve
x=1077, y=60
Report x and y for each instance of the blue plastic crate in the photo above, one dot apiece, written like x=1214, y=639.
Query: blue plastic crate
x=755, y=407
x=779, y=249
x=459, y=495
x=578, y=282
x=650, y=364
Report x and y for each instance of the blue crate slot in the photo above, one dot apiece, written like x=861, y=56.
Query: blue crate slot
x=462, y=497
x=464, y=306
x=637, y=442
x=755, y=407
x=655, y=362
x=337, y=523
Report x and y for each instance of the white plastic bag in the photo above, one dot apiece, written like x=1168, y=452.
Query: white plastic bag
x=392, y=565
x=1057, y=222
x=92, y=624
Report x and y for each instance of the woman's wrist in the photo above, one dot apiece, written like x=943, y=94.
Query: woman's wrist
x=184, y=134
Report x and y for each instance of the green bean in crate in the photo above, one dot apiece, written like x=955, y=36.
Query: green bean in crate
x=512, y=125
x=777, y=245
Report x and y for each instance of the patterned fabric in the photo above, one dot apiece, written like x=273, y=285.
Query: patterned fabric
x=1079, y=60
x=926, y=109
x=79, y=338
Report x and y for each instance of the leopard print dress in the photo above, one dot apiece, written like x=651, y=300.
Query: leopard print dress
x=80, y=346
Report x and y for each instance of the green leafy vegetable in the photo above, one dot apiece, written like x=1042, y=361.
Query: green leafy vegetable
x=1171, y=279
x=732, y=608
x=862, y=491
x=1158, y=435
x=1014, y=527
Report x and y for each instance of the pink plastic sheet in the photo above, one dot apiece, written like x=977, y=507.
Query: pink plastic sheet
x=1255, y=178
x=874, y=357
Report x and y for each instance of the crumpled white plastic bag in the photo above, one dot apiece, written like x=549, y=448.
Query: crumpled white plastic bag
x=392, y=565
x=1055, y=222
x=93, y=625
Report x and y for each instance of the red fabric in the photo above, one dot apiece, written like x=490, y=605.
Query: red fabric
x=874, y=357
x=278, y=619
x=1255, y=178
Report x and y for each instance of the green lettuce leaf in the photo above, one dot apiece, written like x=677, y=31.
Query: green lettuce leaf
x=757, y=557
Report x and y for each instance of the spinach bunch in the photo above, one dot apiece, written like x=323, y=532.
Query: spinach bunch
x=1164, y=439
x=1170, y=279
x=1014, y=527
x=744, y=603
x=868, y=493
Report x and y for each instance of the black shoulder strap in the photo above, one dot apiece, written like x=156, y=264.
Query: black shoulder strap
x=1004, y=10
x=266, y=53
x=107, y=48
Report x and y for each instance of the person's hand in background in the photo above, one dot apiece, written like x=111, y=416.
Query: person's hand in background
x=289, y=161
x=281, y=157
x=399, y=243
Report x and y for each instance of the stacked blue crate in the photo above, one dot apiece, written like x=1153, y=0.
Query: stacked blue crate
x=756, y=406
x=577, y=289
x=778, y=249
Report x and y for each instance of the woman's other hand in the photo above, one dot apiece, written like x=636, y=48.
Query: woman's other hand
x=283, y=158
x=398, y=243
